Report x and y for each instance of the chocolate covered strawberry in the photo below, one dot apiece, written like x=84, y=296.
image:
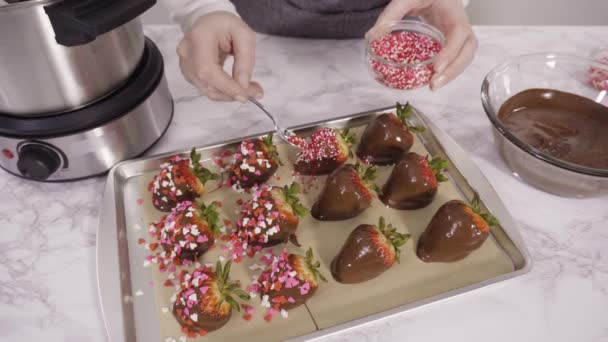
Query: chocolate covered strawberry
x=387, y=137
x=180, y=179
x=454, y=232
x=325, y=150
x=289, y=281
x=255, y=161
x=413, y=182
x=348, y=191
x=189, y=231
x=271, y=216
x=367, y=252
x=206, y=300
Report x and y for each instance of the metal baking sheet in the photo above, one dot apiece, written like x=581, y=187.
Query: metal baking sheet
x=131, y=306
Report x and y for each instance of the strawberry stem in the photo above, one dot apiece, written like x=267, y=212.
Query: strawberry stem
x=349, y=137
x=292, y=198
x=313, y=265
x=404, y=113
x=210, y=215
x=476, y=206
x=273, y=153
x=439, y=165
x=199, y=171
x=396, y=239
x=367, y=176
x=228, y=289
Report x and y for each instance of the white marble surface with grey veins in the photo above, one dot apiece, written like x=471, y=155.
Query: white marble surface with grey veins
x=47, y=231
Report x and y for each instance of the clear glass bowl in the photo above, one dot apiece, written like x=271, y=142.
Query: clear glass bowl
x=402, y=76
x=549, y=71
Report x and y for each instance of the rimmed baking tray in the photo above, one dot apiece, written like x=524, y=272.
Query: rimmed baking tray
x=135, y=307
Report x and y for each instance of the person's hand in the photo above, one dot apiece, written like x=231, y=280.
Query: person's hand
x=450, y=18
x=204, y=50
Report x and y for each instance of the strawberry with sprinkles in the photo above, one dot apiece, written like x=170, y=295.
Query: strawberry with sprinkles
x=188, y=232
x=180, y=179
x=206, y=300
x=288, y=282
x=254, y=162
x=271, y=217
x=324, y=151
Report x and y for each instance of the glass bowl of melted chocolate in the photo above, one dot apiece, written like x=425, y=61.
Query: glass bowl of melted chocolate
x=550, y=121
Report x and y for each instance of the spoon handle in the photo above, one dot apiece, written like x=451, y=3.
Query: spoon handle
x=284, y=133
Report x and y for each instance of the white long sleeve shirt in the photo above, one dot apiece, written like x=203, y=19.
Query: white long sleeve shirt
x=185, y=12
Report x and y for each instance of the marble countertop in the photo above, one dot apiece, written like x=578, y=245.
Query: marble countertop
x=47, y=241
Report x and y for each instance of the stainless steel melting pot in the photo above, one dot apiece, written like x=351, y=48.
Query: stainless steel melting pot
x=60, y=55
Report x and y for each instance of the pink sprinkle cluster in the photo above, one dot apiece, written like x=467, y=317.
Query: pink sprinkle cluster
x=164, y=186
x=259, y=221
x=279, y=273
x=598, y=78
x=322, y=145
x=247, y=160
x=192, y=290
x=179, y=236
x=404, y=47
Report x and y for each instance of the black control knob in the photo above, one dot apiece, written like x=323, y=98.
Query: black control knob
x=38, y=162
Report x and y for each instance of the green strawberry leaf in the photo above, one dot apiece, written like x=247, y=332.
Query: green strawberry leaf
x=210, y=215
x=381, y=223
x=416, y=129
x=226, y=273
x=241, y=294
x=368, y=174
x=202, y=173
x=227, y=288
x=293, y=200
x=393, y=236
x=489, y=218
x=404, y=113
x=349, y=137
x=439, y=165
x=309, y=255
x=300, y=210
x=475, y=205
x=313, y=265
x=218, y=272
x=273, y=153
x=233, y=303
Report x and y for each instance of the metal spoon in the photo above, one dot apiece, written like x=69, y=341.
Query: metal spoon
x=287, y=135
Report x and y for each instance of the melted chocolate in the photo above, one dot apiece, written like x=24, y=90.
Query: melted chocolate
x=294, y=293
x=359, y=259
x=287, y=233
x=317, y=167
x=384, y=141
x=341, y=198
x=451, y=235
x=566, y=126
x=406, y=188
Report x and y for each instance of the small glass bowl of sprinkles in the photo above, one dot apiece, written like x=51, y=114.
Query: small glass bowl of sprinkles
x=598, y=77
x=402, y=58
